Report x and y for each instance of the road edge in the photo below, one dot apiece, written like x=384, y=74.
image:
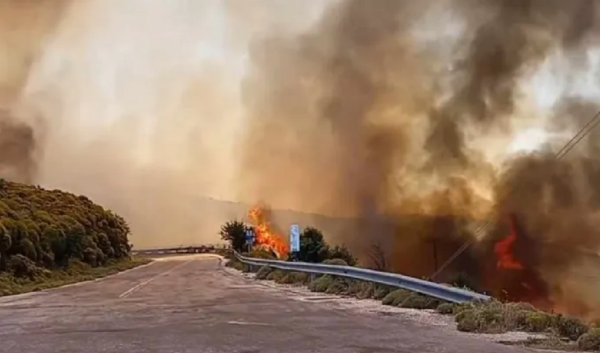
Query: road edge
x=8, y=298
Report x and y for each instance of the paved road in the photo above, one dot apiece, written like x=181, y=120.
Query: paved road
x=191, y=304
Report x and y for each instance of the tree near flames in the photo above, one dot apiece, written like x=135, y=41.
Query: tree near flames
x=234, y=232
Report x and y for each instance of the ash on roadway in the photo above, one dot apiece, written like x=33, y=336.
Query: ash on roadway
x=191, y=304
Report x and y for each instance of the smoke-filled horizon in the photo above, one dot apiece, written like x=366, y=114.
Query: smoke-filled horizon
x=376, y=110
x=402, y=112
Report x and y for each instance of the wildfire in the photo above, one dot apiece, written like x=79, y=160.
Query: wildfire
x=265, y=235
x=503, y=250
x=518, y=281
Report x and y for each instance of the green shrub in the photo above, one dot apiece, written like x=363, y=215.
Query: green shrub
x=396, y=297
x=417, y=301
x=380, y=292
x=337, y=286
x=367, y=290
x=495, y=317
x=295, y=278
x=354, y=287
x=22, y=267
x=445, y=308
x=536, y=321
x=302, y=278
x=313, y=247
x=458, y=308
x=342, y=253
x=360, y=289
x=234, y=233
x=337, y=262
x=276, y=275
x=263, y=272
x=569, y=327
x=320, y=284
x=589, y=341
x=44, y=230
x=237, y=265
x=468, y=322
x=490, y=317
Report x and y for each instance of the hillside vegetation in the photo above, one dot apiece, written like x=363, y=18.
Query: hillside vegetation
x=55, y=236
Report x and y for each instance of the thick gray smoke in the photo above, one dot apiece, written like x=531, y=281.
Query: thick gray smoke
x=359, y=116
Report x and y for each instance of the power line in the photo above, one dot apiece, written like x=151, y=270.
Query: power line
x=574, y=141
x=585, y=130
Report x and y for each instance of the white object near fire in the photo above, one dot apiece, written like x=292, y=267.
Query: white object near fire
x=294, y=238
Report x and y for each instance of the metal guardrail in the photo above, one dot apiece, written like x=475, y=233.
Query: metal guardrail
x=439, y=291
x=180, y=250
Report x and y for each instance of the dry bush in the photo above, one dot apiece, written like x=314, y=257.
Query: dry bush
x=496, y=317
x=276, y=275
x=380, y=292
x=263, y=273
x=589, y=341
x=336, y=262
x=396, y=297
x=418, y=301
x=298, y=278
x=445, y=308
x=320, y=284
x=337, y=286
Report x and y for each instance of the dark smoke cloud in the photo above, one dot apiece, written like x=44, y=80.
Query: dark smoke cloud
x=349, y=117
x=17, y=149
x=325, y=91
x=318, y=104
x=513, y=39
x=24, y=27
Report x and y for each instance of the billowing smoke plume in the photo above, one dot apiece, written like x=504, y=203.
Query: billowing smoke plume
x=369, y=114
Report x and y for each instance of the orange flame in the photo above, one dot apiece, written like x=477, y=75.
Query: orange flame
x=503, y=250
x=265, y=236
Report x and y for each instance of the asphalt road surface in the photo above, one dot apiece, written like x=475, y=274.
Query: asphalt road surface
x=191, y=304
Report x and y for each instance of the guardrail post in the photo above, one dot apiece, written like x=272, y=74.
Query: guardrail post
x=313, y=276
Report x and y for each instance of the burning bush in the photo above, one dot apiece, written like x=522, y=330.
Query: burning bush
x=269, y=240
x=265, y=234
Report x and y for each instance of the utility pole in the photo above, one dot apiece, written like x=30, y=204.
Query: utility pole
x=434, y=254
x=435, y=257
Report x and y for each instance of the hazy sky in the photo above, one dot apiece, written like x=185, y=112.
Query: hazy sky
x=160, y=80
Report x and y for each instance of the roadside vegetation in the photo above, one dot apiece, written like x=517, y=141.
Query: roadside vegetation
x=558, y=332
x=49, y=238
x=313, y=247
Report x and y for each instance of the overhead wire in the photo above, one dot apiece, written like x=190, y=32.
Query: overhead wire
x=574, y=141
